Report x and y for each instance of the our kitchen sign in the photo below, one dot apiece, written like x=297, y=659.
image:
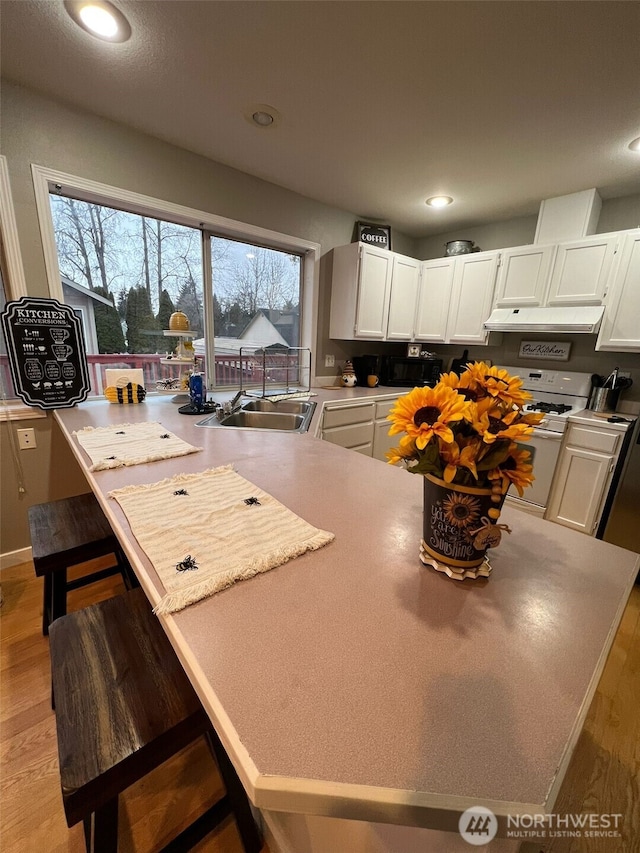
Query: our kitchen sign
x=548, y=350
x=47, y=357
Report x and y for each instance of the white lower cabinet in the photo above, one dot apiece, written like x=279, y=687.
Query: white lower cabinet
x=350, y=425
x=585, y=468
x=382, y=441
x=361, y=426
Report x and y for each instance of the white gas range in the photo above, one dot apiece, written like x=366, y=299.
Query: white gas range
x=559, y=394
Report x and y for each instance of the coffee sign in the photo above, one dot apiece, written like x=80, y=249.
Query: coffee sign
x=374, y=235
x=46, y=353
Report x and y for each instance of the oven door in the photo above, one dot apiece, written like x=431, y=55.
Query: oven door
x=544, y=446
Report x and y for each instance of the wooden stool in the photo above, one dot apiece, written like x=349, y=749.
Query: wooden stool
x=65, y=533
x=123, y=706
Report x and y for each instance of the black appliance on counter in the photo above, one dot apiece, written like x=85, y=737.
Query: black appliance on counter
x=366, y=365
x=403, y=372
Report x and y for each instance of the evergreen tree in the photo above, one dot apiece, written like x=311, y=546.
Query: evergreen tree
x=191, y=304
x=142, y=327
x=108, y=326
x=165, y=310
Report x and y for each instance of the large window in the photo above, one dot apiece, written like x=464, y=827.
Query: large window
x=126, y=273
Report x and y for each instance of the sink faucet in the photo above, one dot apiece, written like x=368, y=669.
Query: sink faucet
x=230, y=406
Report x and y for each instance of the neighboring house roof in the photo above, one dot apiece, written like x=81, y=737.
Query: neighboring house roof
x=284, y=322
x=85, y=291
x=228, y=346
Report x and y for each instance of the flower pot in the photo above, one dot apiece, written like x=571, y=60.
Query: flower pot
x=457, y=525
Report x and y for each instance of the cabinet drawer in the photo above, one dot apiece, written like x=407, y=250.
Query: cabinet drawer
x=383, y=407
x=343, y=415
x=351, y=436
x=603, y=440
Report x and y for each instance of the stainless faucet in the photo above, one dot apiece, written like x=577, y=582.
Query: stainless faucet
x=230, y=406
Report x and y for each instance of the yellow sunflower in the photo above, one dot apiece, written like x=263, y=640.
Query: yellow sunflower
x=404, y=452
x=516, y=469
x=464, y=384
x=461, y=510
x=456, y=457
x=505, y=427
x=498, y=383
x=425, y=412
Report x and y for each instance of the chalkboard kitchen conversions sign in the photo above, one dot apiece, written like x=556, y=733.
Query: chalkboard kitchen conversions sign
x=46, y=353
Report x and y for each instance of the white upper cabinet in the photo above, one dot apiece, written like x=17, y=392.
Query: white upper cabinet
x=581, y=270
x=361, y=285
x=436, y=285
x=523, y=276
x=405, y=280
x=474, y=280
x=620, y=330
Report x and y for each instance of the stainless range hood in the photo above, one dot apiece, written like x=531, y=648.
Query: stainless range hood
x=581, y=319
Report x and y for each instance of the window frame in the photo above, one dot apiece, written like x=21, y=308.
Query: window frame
x=47, y=180
x=14, y=281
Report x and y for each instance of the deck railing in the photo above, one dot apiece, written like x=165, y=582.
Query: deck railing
x=230, y=370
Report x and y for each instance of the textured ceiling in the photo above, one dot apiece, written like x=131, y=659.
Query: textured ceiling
x=498, y=104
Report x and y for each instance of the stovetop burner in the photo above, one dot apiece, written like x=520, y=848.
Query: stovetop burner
x=549, y=408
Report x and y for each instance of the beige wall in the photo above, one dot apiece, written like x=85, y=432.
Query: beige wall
x=617, y=214
x=36, y=129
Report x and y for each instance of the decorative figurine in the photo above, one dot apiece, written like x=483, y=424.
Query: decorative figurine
x=349, y=375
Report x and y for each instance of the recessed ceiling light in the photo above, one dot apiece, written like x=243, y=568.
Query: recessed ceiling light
x=100, y=19
x=635, y=145
x=439, y=201
x=262, y=115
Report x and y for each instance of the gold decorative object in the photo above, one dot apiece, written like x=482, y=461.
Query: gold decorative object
x=179, y=322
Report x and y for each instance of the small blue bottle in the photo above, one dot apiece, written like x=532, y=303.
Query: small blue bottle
x=196, y=391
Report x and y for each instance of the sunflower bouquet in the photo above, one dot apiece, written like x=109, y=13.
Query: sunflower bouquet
x=467, y=429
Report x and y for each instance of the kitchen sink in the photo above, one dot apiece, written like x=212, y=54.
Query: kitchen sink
x=294, y=407
x=283, y=415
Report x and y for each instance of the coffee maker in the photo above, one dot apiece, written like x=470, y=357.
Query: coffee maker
x=365, y=365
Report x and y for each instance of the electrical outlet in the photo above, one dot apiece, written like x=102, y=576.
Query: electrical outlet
x=329, y=361
x=624, y=374
x=26, y=438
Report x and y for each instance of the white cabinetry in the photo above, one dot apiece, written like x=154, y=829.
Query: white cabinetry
x=350, y=425
x=380, y=295
x=361, y=284
x=523, y=276
x=620, y=330
x=405, y=279
x=581, y=270
x=382, y=441
x=361, y=426
x=474, y=279
x=436, y=284
x=585, y=468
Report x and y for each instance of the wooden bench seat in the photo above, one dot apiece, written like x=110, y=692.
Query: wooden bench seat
x=66, y=533
x=123, y=706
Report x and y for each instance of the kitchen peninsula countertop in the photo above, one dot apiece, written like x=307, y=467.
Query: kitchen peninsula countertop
x=355, y=682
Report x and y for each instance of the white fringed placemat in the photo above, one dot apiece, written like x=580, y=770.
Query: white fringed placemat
x=203, y=532
x=130, y=444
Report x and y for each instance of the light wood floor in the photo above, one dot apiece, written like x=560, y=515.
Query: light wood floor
x=604, y=775
x=32, y=820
